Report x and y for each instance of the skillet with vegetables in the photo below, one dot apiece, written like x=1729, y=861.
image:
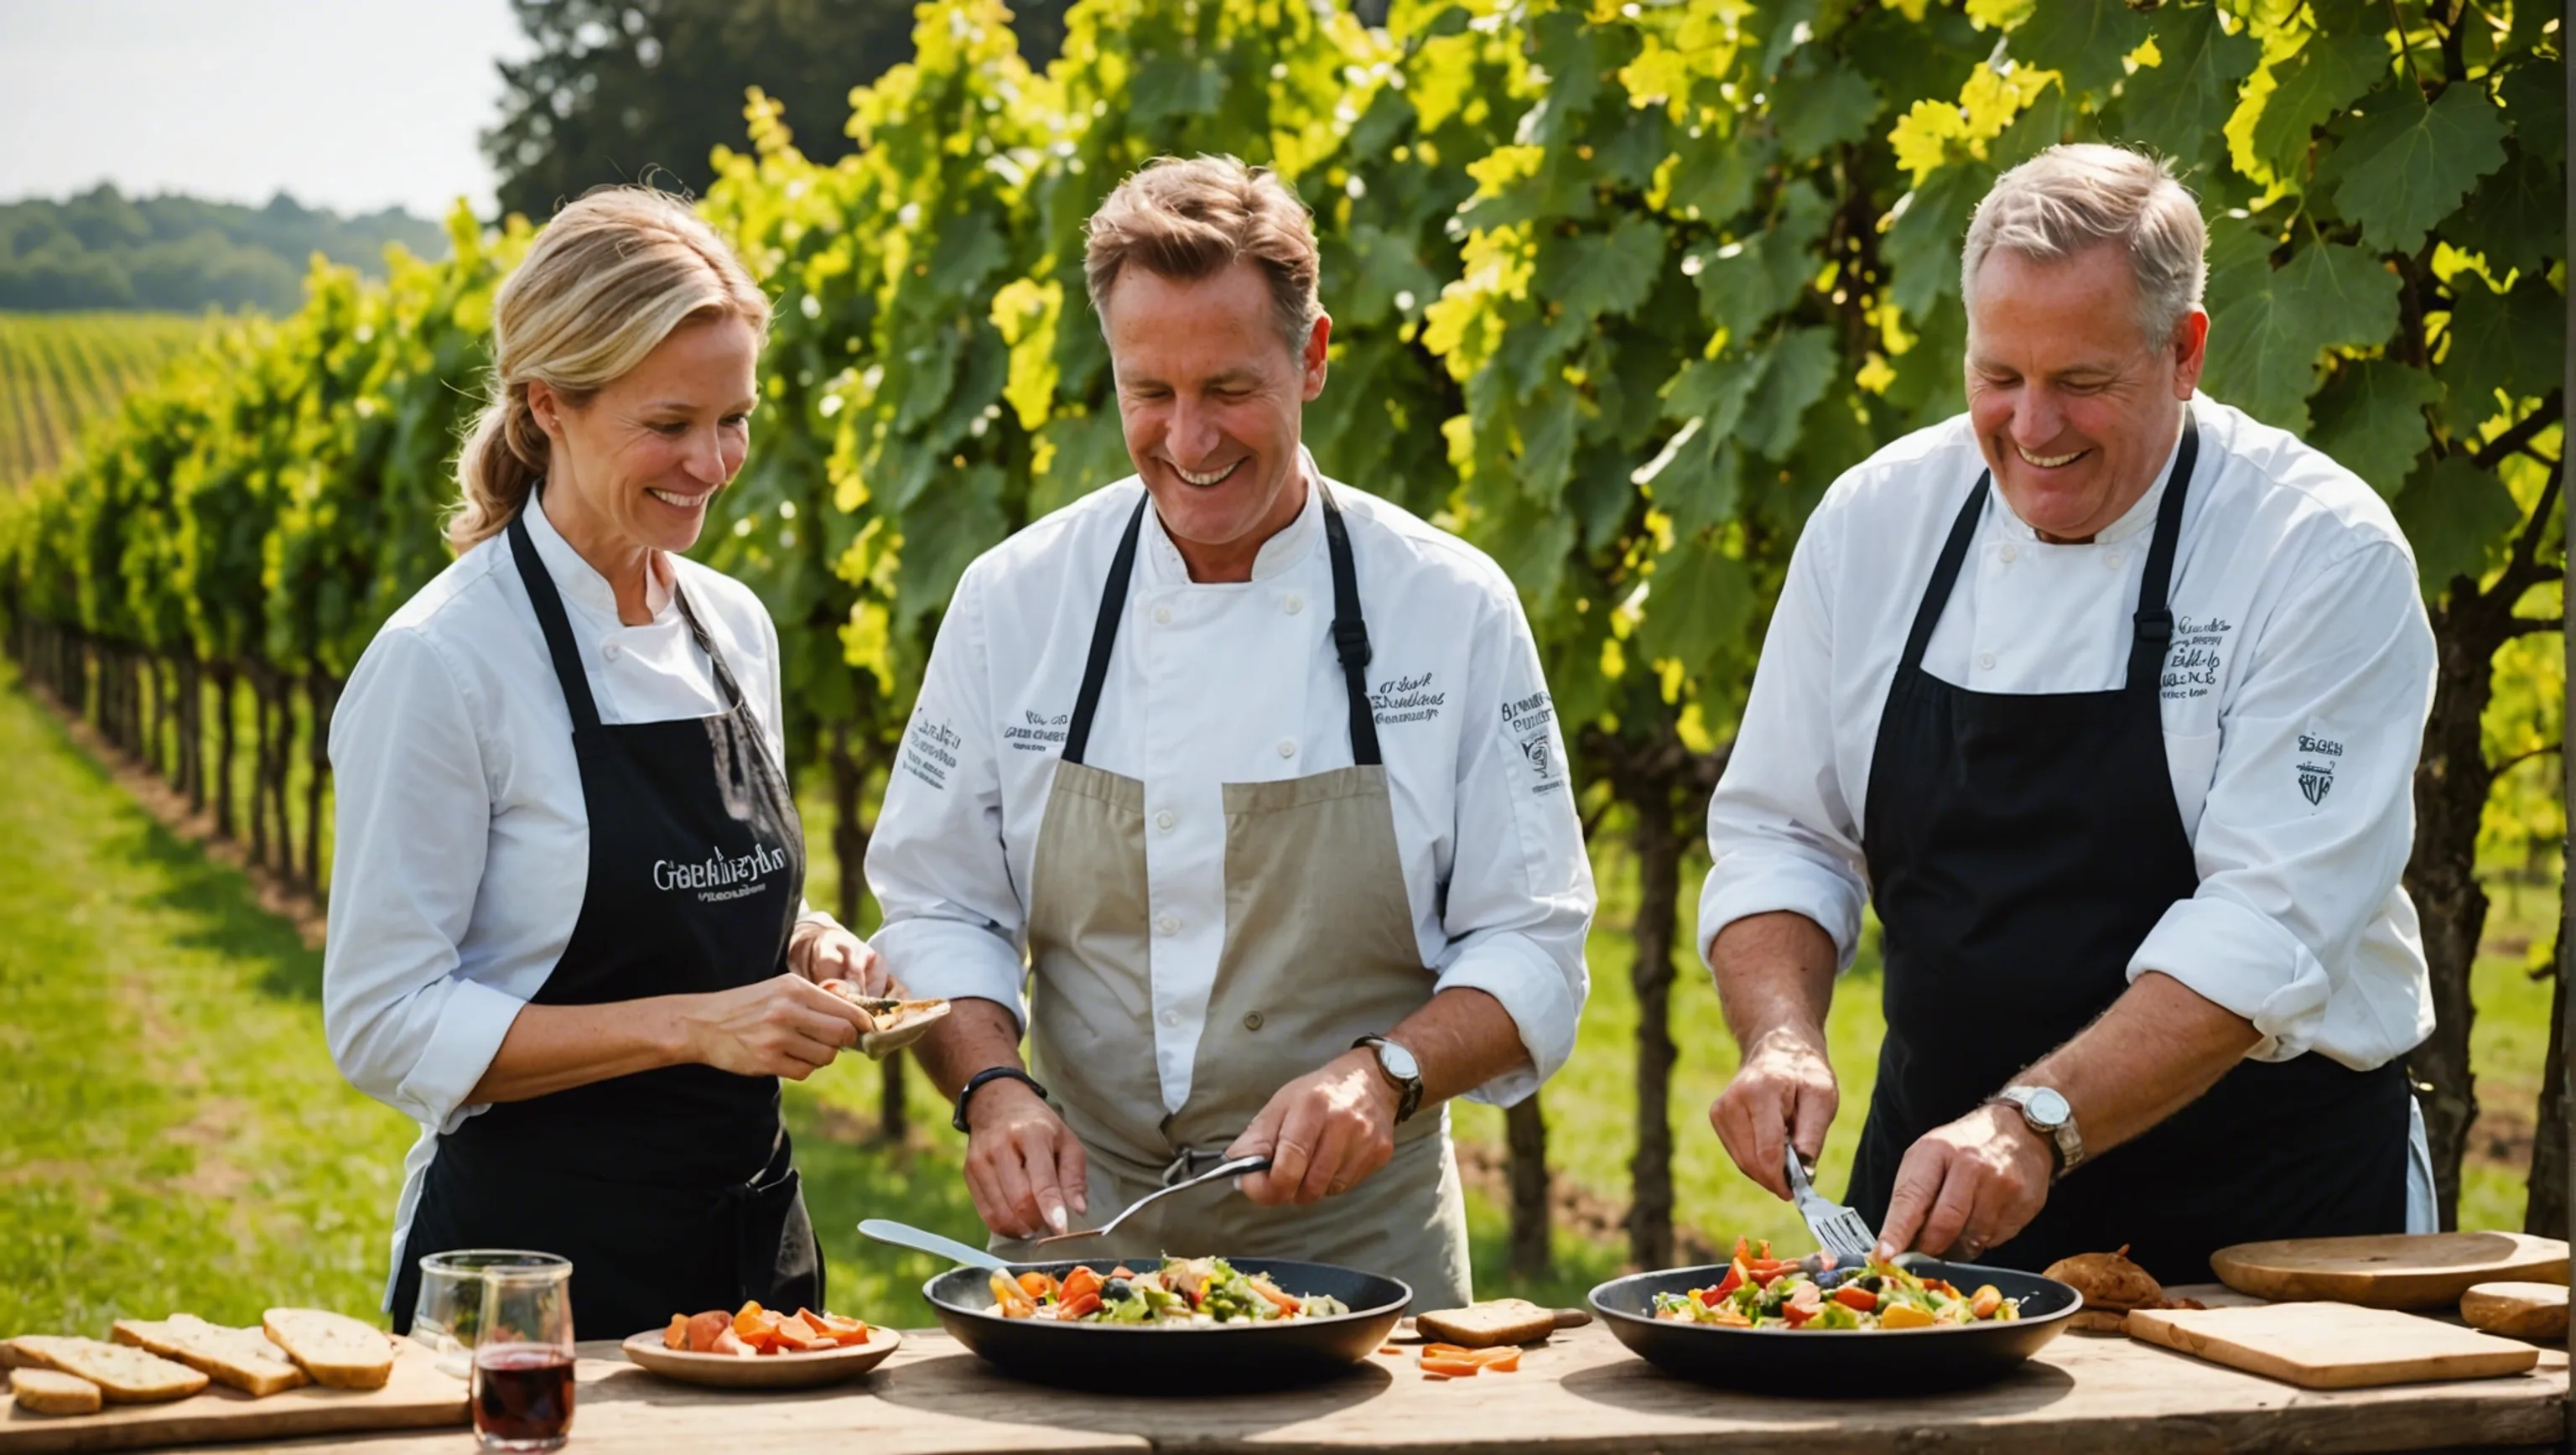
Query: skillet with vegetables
x=1191, y=1292
x=1762, y=1292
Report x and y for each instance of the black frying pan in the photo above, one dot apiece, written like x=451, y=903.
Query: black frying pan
x=1201, y=1359
x=1805, y=1363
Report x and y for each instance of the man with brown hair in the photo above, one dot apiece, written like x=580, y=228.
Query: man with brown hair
x=1252, y=780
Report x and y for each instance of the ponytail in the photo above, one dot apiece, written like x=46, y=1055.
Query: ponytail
x=503, y=458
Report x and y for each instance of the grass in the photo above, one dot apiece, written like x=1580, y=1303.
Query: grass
x=177, y=1138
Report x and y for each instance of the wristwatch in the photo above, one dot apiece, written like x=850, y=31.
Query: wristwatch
x=2045, y=1110
x=1402, y=1072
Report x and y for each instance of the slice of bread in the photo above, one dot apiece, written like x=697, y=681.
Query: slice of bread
x=242, y=1358
x=48, y=1392
x=338, y=1351
x=1487, y=1324
x=123, y=1375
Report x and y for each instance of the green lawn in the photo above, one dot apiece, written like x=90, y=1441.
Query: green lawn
x=176, y=1137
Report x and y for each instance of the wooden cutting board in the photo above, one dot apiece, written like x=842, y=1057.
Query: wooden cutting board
x=2332, y=1345
x=2517, y=1310
x=417, y=1397
x=2397, y=1270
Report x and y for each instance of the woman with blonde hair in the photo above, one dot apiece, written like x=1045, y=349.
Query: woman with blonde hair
x=568, y=934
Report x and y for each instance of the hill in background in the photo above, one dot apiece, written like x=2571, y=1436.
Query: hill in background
x=103, y=250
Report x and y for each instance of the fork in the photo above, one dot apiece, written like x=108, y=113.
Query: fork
x=1838, y=1228
x=1236, y=1168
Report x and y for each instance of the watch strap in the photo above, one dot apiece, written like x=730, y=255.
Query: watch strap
x=1408, y=1089
x=989, y=1074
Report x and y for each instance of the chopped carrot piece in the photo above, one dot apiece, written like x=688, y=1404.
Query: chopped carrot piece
x=1454, y=1368
x=704, y=1328
x=747, y=1320
x=1502, y=1360
x=676, y=1336
x=1037, y=1285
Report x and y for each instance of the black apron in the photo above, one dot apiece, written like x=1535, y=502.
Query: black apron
x=2020, y=849
x=673, y=1190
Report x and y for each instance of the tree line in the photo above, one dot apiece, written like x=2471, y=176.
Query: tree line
x=1617, y=294
x=172, y=254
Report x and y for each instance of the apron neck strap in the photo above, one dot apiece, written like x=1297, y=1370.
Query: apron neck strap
x=1104, y=635
x=1936, y=596
x=1350, y=636
x=558, y=630
x=2155, y=623
x=698, y=633
x=2154, y=630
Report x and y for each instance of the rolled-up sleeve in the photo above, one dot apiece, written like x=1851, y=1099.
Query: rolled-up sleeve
x=1781, y=831
x=936, y=862
x=2309, y=821
x=1520, y=894
x=411, y=825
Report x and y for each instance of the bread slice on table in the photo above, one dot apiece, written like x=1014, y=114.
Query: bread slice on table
x=244, y=1358
x=338, y=1351
x=50, y=1392
x=123, y=1375
x=1487, y=1324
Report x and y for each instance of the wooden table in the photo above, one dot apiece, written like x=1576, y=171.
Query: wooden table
x=1583, y=1394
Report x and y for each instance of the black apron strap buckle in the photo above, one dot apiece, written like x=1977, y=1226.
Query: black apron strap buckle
x=2156, y=628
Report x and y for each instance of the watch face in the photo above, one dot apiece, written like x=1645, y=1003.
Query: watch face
x=2048, y=1108
x=1398, y=1061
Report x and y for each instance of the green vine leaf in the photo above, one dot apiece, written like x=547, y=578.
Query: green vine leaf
x=2406, y=165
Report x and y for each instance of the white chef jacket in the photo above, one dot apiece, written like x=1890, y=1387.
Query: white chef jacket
x=2294, y=700
x=1222, y=683
x=462, y=846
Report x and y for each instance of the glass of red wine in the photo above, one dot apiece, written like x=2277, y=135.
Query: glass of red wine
x=523, y=1357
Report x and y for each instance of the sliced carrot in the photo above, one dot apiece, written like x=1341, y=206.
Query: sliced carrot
x=1502, y=1360
x=1037, y=1285
x=1454, y=1368
x=747, y=1319
x=1447, y=1351
x=676, y=1336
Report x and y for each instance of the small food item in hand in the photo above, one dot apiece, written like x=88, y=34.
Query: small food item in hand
x=51, y=1392
x=338, y=1351
x=1488, y=1322
x=245, y=1359
x=123, y=1375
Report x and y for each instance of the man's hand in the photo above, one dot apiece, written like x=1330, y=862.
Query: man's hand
x=1967, y=1186
x=1023, y=1165
x=1783, y=1093
x=1325, y=1133
x=821, y=950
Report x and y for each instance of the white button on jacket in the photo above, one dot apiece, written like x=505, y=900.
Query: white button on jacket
x=2293, y=697
x=1240, y=690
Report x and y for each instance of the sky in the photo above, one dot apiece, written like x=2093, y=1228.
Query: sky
x=352, y=105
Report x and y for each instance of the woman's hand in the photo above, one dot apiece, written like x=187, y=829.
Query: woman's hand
x=822, y=950
x=783, y=1026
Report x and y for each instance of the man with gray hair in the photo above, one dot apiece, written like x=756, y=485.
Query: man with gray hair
x=2108, y=698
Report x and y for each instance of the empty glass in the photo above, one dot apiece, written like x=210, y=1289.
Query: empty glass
x=450, y=1307
x=523, y=1357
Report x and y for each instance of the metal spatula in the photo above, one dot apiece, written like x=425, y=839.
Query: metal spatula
x=1236, y=1168
x=1838, y=1228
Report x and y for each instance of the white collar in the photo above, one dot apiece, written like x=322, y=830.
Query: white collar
x=1291, y=545
x=2133, y=520
x=574, y=576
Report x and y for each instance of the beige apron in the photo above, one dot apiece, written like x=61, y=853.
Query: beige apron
x=1313, y=883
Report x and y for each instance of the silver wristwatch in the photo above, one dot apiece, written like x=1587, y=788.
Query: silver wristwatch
x=2045, y=1110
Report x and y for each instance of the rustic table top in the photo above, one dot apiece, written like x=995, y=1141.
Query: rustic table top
x=1583, y=1393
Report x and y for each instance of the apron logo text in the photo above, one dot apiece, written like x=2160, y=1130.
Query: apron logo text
x=718, y=877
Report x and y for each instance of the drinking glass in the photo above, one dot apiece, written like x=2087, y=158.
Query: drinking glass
x=450, y=1306
x=523, y=1357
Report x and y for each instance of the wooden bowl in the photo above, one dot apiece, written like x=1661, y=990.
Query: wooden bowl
x=761, y=1371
